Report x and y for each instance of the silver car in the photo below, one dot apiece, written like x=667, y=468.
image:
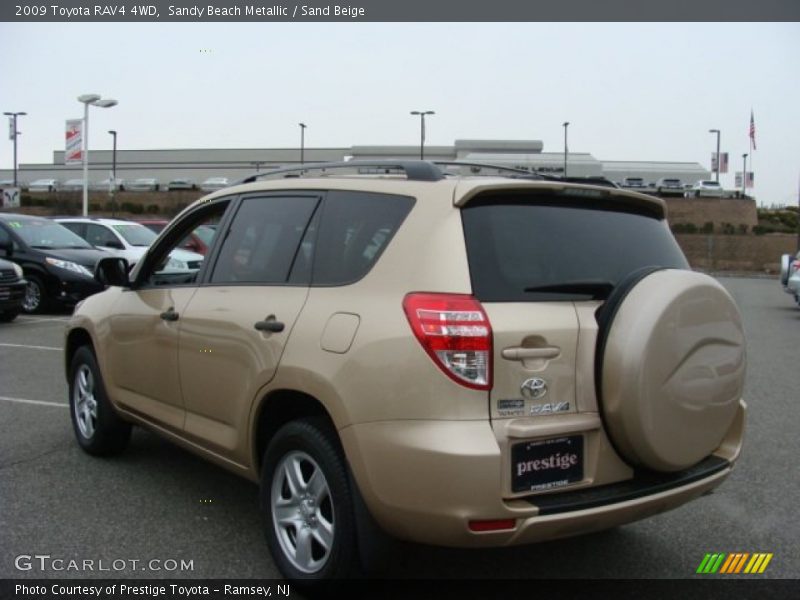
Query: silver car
x=790, y=275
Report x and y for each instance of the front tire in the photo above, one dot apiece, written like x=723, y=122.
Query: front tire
x=35, y=295
x=308, y=505
x=98, y=428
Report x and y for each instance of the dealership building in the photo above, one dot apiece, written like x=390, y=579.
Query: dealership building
x=237, y=163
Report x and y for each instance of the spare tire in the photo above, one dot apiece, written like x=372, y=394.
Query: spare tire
x=670, y=367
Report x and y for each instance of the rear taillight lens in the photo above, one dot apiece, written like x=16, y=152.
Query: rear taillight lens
x=455, y=332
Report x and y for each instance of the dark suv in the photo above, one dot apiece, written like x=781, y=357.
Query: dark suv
x=12, y=290
x=58, y=265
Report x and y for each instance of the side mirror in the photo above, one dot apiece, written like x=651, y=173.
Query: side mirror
x=8, y=248
x=116, y=244
x=112, y=270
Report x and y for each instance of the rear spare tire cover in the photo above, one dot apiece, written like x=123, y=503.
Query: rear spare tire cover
x=672, y=369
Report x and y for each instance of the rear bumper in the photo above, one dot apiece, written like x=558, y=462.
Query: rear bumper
x=425, y=481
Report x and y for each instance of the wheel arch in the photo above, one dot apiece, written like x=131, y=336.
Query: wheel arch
x=277, y=408
x=76, y=338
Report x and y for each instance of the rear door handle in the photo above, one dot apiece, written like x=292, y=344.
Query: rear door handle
x=520, y=353
x=169, y=315
x=270, y=324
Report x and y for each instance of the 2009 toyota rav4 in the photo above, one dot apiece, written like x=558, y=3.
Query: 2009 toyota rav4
x=460, y=360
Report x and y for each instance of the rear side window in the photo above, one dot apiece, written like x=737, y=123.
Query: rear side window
x=263, y=240
x=354, y=230
x=517, y=247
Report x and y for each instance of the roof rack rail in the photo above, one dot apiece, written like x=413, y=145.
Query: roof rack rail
x=415, y=170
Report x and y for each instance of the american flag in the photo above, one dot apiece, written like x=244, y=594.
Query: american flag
x=752, y=131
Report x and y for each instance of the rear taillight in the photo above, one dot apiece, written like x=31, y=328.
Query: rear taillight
x=455, y=332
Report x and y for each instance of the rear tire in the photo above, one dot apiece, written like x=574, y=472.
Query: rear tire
x=98, y=428
x=308, y=505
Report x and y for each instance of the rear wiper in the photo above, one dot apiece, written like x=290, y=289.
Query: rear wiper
x=598, y=289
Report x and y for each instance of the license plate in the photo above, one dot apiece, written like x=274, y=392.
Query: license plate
x=546, y=464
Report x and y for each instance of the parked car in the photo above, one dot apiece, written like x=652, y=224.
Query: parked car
x=464, y=361
x=12, y=290
x=198, y=240
x=143, y=184
x=58, y=265
x=72, y=185
x=790, y=275
x=126, y=239
x=669, y=184
x=105, y=185
x=706, y=188
x=633, y=182
x=43, y=185
x=213, y=184
x=6, y=183
x=181, y=184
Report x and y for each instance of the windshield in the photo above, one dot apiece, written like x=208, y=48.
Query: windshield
x=47, y=234
x=541, y=248
x=136, y=235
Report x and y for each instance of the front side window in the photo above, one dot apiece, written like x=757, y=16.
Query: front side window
x=168, y=264
x=100, y=235
x=263, y=241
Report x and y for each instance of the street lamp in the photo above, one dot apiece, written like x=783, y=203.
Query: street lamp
x=422, y=114
x=719, y=158
x=13, y=136
x=565, y=125
x=94, y=100
x=744, y=175
x=113, y=173
x=302, y=142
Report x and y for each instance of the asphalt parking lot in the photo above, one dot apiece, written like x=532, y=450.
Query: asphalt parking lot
x=158, y=502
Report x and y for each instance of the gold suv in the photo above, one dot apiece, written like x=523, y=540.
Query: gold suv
x=450, y=354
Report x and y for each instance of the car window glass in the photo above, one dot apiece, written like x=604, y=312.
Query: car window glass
x=99, y=235
x=44, y=234
x=519, y=247
x=355, y=228
x=170, y=265
x=263, y=240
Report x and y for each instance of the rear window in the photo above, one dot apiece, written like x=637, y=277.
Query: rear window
x=516, y=247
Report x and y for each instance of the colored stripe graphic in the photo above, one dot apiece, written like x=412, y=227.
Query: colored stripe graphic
x=734, y=563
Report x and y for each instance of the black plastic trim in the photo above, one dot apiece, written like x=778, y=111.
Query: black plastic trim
x=415, y=170
x=644, y=483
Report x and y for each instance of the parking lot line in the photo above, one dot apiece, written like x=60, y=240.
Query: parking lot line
x=39, y=402
x=30, y=347
x=36, y=320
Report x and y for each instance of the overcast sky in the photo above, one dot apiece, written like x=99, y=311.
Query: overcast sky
x=630, y=91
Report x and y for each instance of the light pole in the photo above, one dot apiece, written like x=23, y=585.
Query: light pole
x=94, y=100
x=565, y=125
x=422, y=114
x=13, y=136
x=719, y=158
x=744, y=175
x=113, y=174
x=302, y=142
